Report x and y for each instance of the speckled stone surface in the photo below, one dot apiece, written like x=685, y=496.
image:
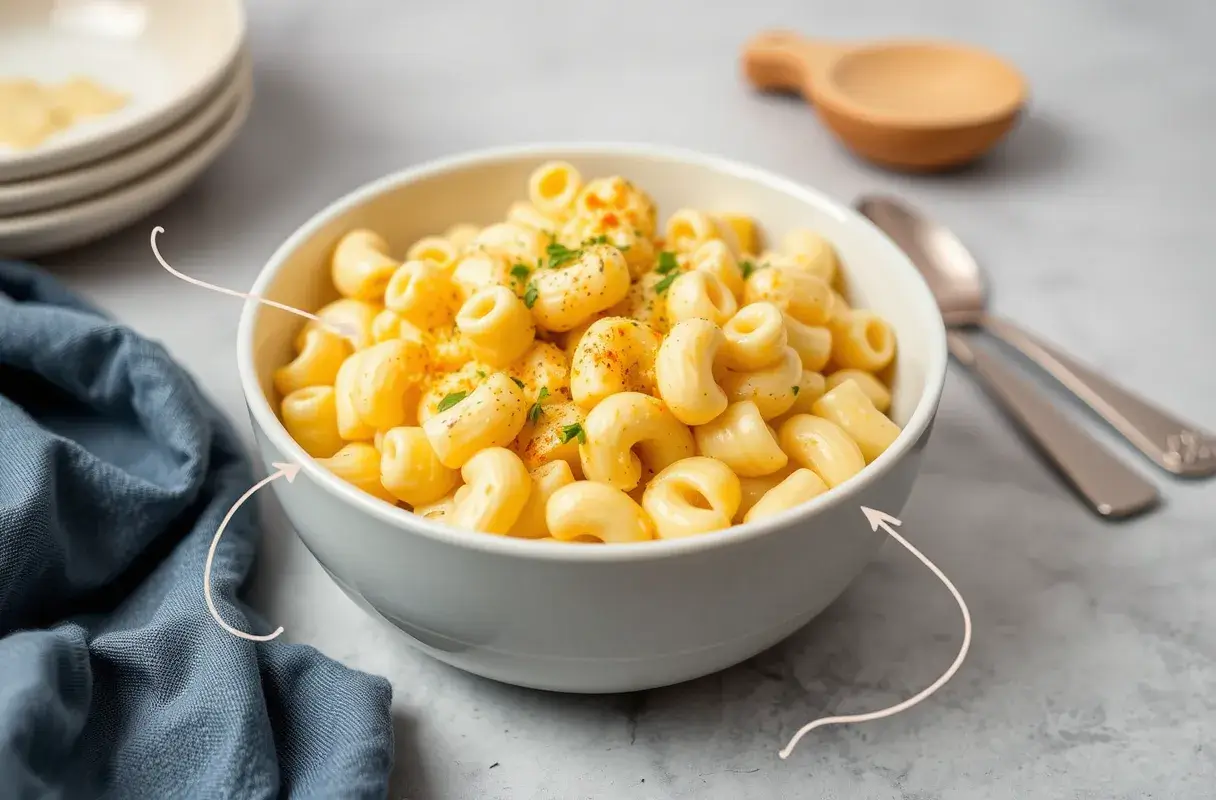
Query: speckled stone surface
x=1093, y=671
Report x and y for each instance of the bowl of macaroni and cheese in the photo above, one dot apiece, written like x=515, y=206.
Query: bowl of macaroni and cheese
x=591, y=418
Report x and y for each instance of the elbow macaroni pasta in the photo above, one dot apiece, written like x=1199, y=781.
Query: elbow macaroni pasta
x=803, y=296
x=613, y=355
x=310, y=415
x=358, y=463
x=700, y=295
x=801, y=485
x=568, y=296
x=361, y=267
x=576, y=372
x=546, y=479
x=822, y=446
x=773, y=389
x=692, y=496
x=740, y=438
x=628, y=420
x=461, y=235
x=879, y=395
x=437, y=250
x=862, y=340
x=854, y=413
x=755, y=338
x=684, y=372
x=354, y=317
x=496, y=489
x=317, y=364
x=598, y=511
x=716, y=259
x=491, y=416
x=553, y=187
x=497, y=326
x=410, y=470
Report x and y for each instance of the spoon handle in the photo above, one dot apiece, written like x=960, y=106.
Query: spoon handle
x=1106, y=484
x=784, y=61
x=1175, y=445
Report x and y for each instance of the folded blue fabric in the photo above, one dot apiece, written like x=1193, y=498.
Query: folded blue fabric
x=114, y=680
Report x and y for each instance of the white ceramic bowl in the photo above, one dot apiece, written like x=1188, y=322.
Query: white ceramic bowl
x=167, y=55
x=592, y=618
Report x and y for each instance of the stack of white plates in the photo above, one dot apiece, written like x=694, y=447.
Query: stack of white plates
x=188, y=83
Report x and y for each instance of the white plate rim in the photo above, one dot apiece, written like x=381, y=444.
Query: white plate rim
x=60, y=156
x=63, y=188
x=96, y=216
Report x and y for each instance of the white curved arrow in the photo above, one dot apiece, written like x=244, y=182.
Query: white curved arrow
x=286, y=470
x=879, y=519
x=337, y=328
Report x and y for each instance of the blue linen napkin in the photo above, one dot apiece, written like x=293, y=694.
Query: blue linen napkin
x=114, y=680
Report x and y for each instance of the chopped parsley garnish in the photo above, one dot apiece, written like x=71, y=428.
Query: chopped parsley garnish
x=450, y=400
x=520, y=272
x=481, y=373
x=535, y=411
x=665, y=284
x=559, y=255
x=796, y=389
x=530, y=295
x=747, y=267
x=518, y=382
x=667, y=263
x=574, y=431
x=601, y=239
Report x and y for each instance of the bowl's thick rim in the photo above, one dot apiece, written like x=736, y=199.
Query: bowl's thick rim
x=847, y=492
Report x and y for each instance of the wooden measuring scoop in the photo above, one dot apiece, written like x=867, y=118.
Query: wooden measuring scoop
x=909, y=105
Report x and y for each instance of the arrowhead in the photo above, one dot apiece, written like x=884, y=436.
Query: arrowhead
x=343, y=329
x=287, y=469
x=876, y=518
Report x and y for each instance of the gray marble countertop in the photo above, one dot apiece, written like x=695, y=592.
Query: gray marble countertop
x=1093, y=670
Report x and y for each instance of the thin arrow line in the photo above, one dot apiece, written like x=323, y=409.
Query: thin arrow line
x=337, y=328
x=880, y=520
x=287, y=470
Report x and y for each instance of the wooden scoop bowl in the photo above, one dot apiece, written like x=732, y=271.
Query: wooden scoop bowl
x=916, y=106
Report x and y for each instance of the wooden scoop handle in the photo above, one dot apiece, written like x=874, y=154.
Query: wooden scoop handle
x=784, y=61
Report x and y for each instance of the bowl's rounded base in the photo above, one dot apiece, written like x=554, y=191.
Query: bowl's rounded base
x=586, y=675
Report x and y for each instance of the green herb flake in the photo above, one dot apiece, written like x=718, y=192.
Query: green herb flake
x=667, y=262
x=665, y=284
x=530, y=295
x=601, y=239
x=481, y=373
x=796, y=389
x=574, y=431
x=559, y=255
x=520, y=272
x=450, y=400
x=518, y=382
x=535, y=411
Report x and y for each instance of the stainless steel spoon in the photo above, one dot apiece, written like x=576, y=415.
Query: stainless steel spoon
x=1109, y=486
x=1173, y=444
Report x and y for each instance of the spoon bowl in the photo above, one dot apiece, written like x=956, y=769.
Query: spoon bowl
x=911, y=105
x=947, y=266
x=956, y=281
